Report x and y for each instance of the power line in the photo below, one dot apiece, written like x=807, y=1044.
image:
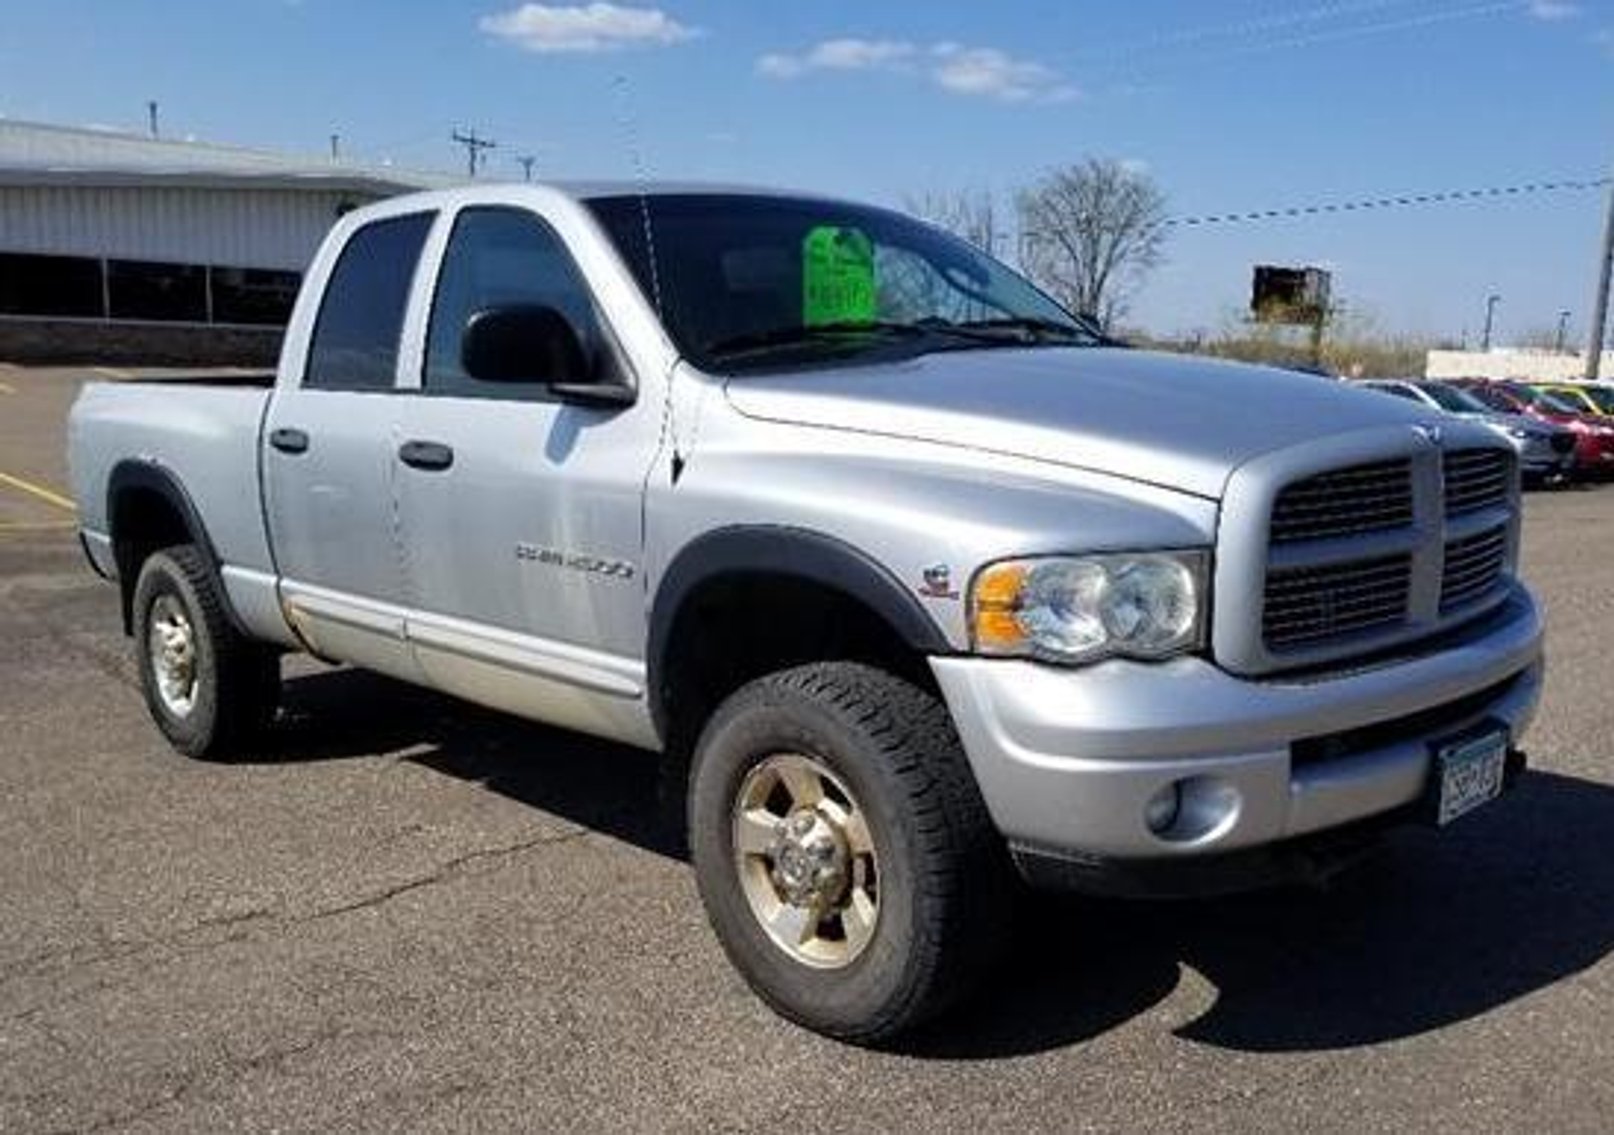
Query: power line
x=1277, y=33
x=1241, y=29
x=1398, y=201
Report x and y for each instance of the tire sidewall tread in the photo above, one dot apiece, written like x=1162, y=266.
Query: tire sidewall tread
x=943, y=900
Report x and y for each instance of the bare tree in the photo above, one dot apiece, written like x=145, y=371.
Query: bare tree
x=1090, y=232
x=970, y=214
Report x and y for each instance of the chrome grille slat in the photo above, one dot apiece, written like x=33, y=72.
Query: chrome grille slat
x=1474, y=567
x=1305, y=605
x=1344, y=502
x=1476, y=479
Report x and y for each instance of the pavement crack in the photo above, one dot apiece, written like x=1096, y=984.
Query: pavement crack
x=449, y=869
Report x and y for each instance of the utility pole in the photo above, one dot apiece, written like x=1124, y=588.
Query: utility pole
x=336, y=147
x=526, y=161
x=1563, y=326
x=473, y=149
x=1594, y=341
x=151, y=117
x=1490, y=313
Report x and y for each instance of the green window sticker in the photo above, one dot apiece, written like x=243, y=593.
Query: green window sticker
x=837, y=276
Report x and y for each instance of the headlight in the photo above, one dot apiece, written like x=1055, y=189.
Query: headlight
x=1519, y=432
x=1083, y=608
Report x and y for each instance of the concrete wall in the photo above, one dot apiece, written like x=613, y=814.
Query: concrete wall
x=136, y=344
x=1542, y=366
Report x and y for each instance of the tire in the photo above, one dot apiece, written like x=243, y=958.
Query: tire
x=219, y=704
x=942, y=891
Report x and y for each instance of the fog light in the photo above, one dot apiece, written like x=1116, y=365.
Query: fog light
x=1161, y=812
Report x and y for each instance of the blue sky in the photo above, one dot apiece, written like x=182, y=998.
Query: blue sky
x=1229, y=104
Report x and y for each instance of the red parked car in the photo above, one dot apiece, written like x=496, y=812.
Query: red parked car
x=1594, y=439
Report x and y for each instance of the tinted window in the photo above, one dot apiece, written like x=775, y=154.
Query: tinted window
x=1398, y=391
x=498, y=257
x=1494, y=398
x=355, y=343
x=1453, y=399
x=49, y=285
x=142, y=289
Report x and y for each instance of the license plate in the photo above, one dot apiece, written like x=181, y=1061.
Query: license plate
x=1470, y=773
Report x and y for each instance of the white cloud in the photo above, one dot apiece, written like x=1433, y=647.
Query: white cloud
x=982, y=72
x=990, y=73
x=588, y=27
x=1553, y=9
x=845, y=54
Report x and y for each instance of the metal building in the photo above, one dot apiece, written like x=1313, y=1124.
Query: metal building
x=106, y=232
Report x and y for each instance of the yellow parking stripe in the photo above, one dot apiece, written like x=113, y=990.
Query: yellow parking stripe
x=39, y=491
x=39, y=526
x=7, y=388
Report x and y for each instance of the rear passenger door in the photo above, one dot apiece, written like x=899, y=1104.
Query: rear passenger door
x=328, y=470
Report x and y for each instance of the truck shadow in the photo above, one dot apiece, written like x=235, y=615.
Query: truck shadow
x=1436, y=930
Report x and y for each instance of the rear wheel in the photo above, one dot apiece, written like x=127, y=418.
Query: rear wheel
x=210, y=689
x=843, y=852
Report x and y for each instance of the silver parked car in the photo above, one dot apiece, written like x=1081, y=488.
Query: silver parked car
x=1545, y=451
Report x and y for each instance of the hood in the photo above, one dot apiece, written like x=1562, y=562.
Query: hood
x=1172, y=420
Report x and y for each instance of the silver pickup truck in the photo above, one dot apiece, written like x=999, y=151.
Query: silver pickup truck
x=923, y=587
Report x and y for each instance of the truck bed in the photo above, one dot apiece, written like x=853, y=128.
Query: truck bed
x=205, y=432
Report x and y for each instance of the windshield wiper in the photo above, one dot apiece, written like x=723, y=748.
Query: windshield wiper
x=810, y=333
x=1039, y=329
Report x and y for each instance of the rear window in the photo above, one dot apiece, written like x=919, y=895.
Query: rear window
x=355, y=344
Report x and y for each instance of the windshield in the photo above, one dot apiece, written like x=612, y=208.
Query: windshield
x=750, y=282
x=1601, y=397
x=1454, y=400
x=1556, y=403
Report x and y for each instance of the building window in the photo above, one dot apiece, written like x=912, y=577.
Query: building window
x=253, y=295
x=49, y=285
x=142, y=289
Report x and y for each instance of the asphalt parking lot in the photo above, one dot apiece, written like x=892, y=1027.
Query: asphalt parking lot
x=417, y=915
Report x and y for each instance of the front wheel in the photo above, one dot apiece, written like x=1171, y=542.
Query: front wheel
x=209, y=688
x=843, y=851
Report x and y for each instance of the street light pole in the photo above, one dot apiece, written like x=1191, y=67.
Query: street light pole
x=1490, y=311
x=1594, y=340
x=1563, y=326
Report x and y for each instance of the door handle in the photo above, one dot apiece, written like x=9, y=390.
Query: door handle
x=432, y=456
x=289, y=440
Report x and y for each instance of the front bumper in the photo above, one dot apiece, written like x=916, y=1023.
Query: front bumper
x=1068, y=759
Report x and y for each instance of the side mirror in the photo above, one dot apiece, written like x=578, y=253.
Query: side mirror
x=525, y=343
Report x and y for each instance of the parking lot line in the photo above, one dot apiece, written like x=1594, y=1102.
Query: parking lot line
x=7, y=388
x=38, y=526
x=115, y=373
x=39, y=491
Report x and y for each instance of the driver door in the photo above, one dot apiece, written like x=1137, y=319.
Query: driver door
x=521, y=511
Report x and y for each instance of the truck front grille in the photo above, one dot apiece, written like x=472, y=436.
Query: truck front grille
x=1309, y=604
x=1362, y=498
x=1377, y=552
